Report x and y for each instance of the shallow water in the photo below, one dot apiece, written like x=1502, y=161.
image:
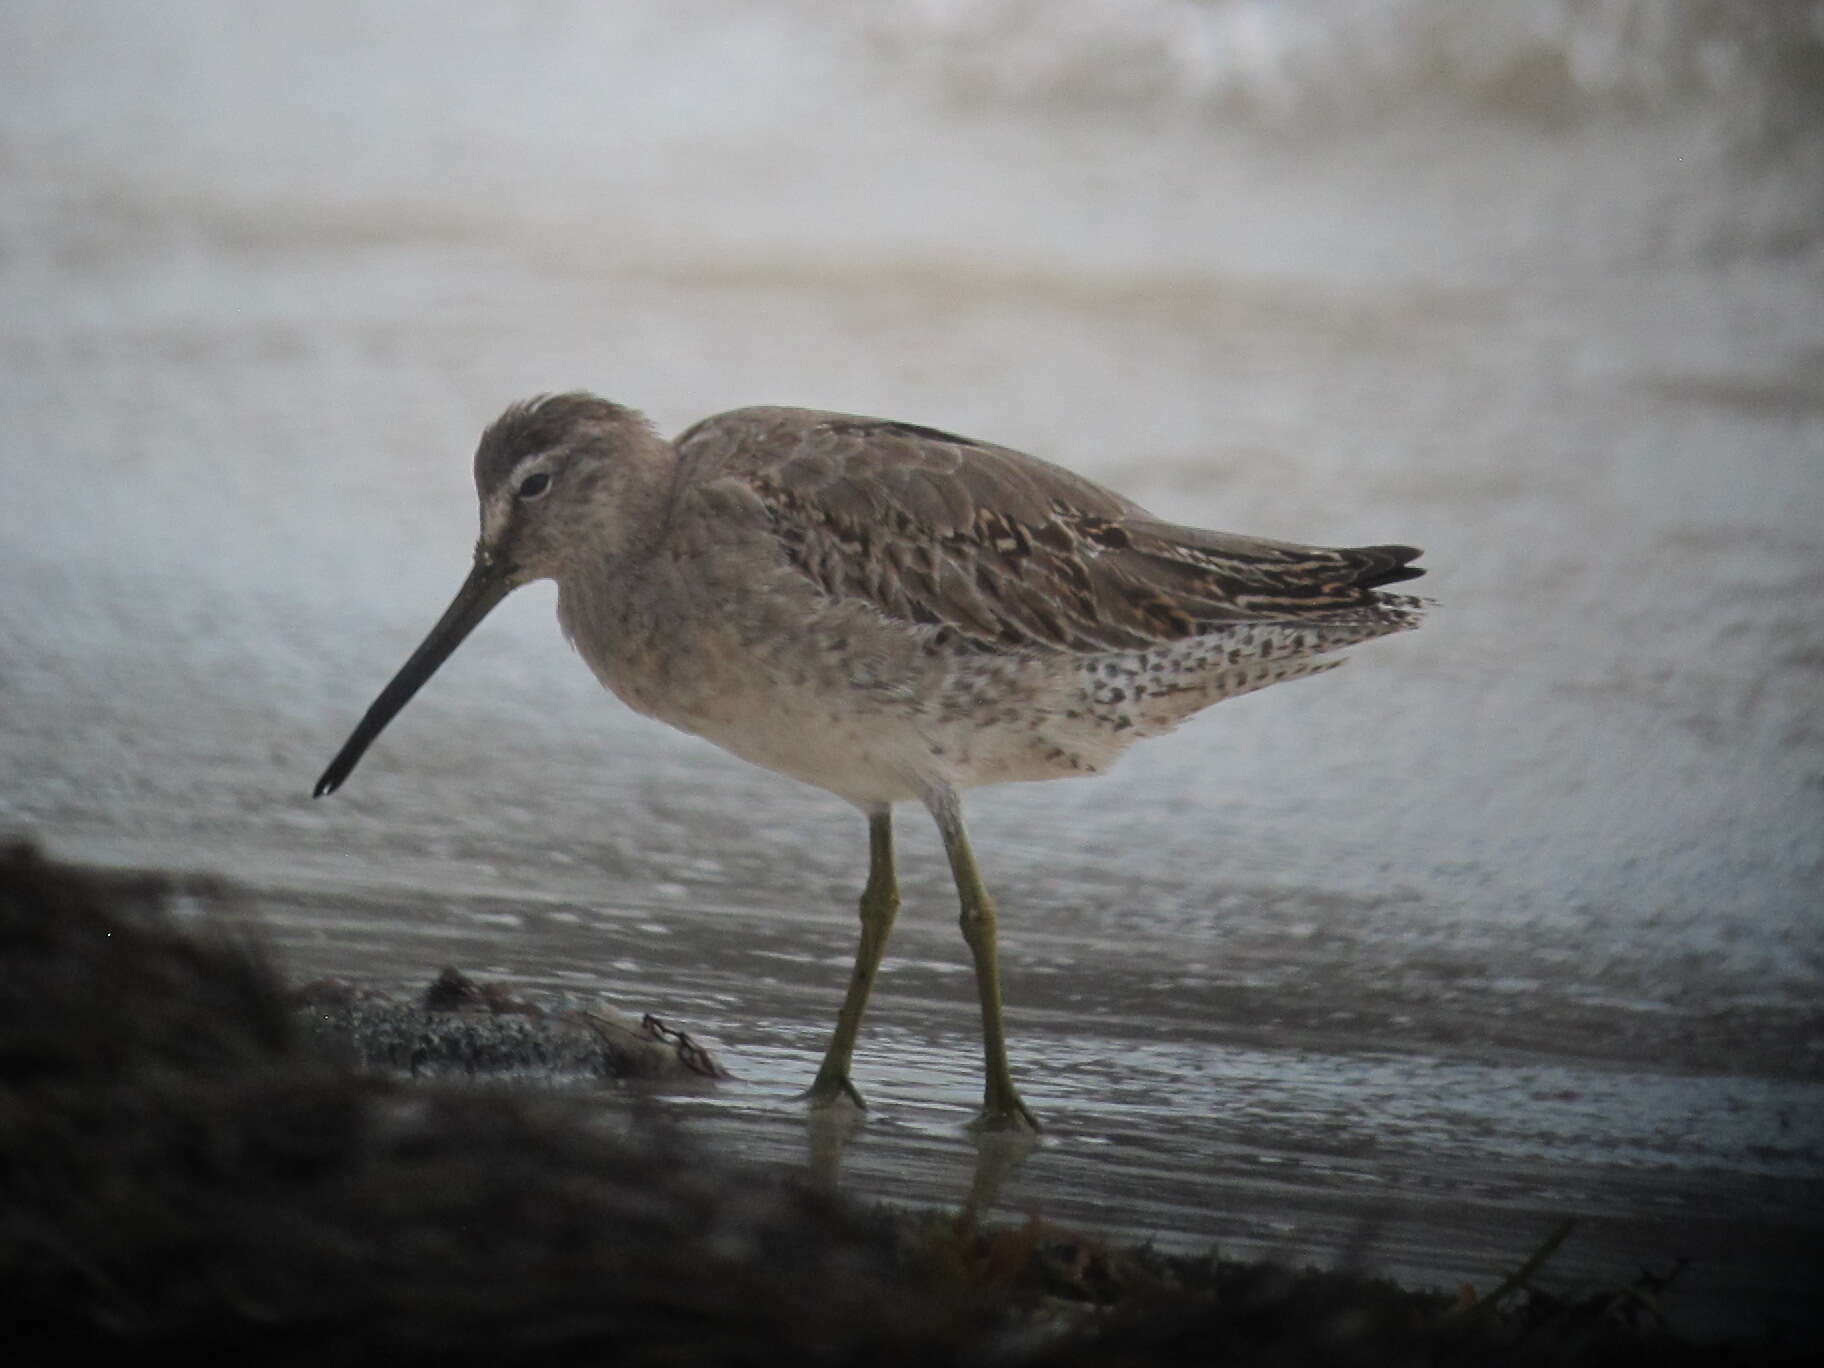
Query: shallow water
x=1515, y=918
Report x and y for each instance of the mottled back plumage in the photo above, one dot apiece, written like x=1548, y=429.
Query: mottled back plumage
x=1002, y=551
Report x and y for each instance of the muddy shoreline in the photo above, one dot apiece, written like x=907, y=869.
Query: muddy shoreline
x=195, y=1165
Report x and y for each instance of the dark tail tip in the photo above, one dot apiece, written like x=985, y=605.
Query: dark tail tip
x=1387, y=565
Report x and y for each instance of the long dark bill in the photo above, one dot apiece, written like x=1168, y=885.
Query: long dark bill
x=488, y=583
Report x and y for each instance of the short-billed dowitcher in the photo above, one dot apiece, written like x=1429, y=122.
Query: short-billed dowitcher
x=889, y=612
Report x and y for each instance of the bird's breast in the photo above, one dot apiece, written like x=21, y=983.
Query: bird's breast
x=779, y=678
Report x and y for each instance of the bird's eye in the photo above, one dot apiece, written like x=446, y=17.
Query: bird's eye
x=534, y=484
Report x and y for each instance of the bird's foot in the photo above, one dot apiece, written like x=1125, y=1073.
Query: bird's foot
x=833, y=1090
x=1005, y=1113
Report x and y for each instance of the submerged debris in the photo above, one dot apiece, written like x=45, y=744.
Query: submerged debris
x=459, y=1027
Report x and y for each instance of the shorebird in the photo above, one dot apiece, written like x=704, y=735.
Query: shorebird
x=889, y=612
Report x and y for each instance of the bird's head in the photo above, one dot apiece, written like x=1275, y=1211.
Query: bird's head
x=567, y=482
x=565, y=479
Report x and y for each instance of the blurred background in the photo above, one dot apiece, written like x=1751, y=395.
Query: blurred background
x=1515, y=918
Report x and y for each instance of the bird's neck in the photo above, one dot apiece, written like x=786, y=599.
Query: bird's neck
x=633, y=515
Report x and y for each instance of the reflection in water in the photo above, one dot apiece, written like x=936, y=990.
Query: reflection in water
x=829, y=1131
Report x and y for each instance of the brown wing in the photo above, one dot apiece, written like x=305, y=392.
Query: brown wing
x=1004, y=551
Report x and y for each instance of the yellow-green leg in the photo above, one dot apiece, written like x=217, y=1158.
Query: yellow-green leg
x=879, y=905
x=1002, y=1108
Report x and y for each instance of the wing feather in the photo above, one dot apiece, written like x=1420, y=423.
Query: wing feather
x=1001, y=551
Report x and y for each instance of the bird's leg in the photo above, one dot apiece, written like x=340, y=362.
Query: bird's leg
x=1002, y=1108
x=879, y=904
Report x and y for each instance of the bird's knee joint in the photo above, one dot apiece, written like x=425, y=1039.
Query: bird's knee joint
x=976, y=921
x=878, y=906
